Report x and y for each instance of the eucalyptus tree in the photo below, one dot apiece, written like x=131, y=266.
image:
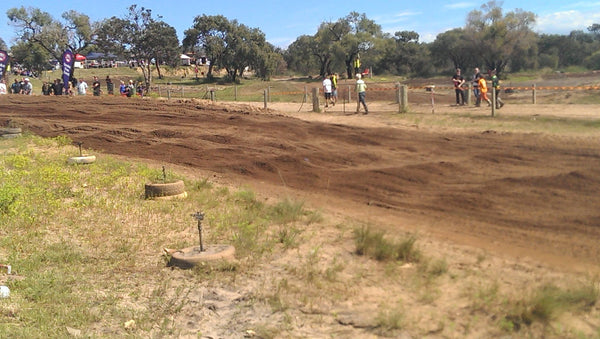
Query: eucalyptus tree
x=141, y=38
x=497, y=38
x=230, y=45
x=38, y=28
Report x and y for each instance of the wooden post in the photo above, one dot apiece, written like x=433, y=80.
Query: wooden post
x=533, y=94
x=235, y=93
x=349, y=94
x=265, y=97
x=212, y=95
x=469, y=92
x=397, y=86
x=403, y=99
x=494, y=94
x=182, y=93
x=269, y=93
x=305, y=94
x=315, y=99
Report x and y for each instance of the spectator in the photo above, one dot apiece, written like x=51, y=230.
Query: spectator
x=82, y=87
x=334, y=86
x=122, y=88
x=109, y=85
x=96, y=87
x=361, y=89
x=459, y=81
x=16, y=87
x=46, y=88
x=482, y=83
x=2, y=87
x=58, y=87
x=130, y=89
x=496, y=87
x=475, y=80
x=327, y=90
x=27, y=88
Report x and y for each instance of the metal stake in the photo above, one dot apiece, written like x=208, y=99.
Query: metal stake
x=199, y=216
x=79, y=143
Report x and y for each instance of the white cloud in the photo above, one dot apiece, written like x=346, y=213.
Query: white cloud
x=395, y=18
x=461, y=5
x=566, y=21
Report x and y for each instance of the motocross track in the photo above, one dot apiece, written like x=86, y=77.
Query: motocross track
x=533, y=195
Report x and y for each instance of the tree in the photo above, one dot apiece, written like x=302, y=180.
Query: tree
x=30, y=55
x=453, y=46
x=36, y=27
x=141, y=38
x=230, y=45
x=497, y=38
x=3, y=45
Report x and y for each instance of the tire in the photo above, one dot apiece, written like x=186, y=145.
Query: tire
x=11, y=136
x=11, y=130
x=191, y=256
x=164, y=190
x=85, y=159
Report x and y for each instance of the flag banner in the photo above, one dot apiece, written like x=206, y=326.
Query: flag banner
x=68, y=60
x=3, y=63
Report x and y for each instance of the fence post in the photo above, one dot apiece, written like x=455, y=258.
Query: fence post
x=265, y=97
x=212, y=95
x=168, y=93
x=494, y=94
x=269, y=93
x=533, y=95
x=159, y=94
x=403, y=99
x=397, y=86
x=235, y=93
x=315, y=99
x=349, y=94
x=182, y=92
x=305, y=94
x=469, y=92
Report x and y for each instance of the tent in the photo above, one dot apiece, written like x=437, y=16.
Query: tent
x=185, y=60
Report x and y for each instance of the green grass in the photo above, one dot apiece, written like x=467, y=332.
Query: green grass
x=377, y=246
x=85, y=243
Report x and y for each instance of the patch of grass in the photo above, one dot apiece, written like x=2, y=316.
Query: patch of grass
x=87, y=245
x=376, y=245
x=390, y=318
x=549, y=301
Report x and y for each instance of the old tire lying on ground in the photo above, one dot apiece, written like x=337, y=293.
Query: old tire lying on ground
x=84, y=159
x=192, y=256
x=167, y=190
x=10, y=132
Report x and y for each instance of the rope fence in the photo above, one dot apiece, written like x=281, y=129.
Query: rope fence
x=395, y=93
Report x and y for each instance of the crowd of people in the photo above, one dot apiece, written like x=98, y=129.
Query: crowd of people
x=75, y=86
x=480, y=88
x=330, y=90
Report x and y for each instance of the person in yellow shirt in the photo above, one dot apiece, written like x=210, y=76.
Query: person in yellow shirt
x=482, y=83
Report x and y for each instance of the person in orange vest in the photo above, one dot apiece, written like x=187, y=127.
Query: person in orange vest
x=482, y=83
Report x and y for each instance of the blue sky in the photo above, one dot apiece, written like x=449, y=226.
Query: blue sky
x=284, y=21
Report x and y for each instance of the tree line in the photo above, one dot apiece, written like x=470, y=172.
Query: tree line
x=490, y=39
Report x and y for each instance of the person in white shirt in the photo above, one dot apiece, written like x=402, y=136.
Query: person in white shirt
x=82, y=87
x=327, y=89
x=2, y=87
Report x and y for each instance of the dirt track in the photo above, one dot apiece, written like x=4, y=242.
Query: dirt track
x=524, y=194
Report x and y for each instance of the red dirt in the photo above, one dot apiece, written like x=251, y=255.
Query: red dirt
x=519, y=194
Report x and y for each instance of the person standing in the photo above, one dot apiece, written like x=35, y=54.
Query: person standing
x=27, y=88
x=110, y=87
x=475, y=81
x=482, y=83
x=496, y=86
x=361, y=89
x=58, y=87
x=16, y=87
x=82, y=87
x=2, y=87
x=334, y=86
x=327, y=90
x=459, y=81
x=96, y=87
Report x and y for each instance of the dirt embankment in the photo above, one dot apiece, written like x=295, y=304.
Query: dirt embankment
x=523, y=194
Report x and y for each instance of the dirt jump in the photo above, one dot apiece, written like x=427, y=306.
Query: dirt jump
x=522, y=194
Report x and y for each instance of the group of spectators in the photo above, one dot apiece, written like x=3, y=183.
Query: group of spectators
x=75, y=86
x=22, y=86
x=480, y=88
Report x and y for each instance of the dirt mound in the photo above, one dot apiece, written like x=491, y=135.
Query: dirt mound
x=518, y=193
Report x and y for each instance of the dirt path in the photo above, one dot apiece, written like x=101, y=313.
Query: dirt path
x=518, y=194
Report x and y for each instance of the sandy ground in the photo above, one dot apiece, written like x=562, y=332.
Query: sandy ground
x=530, y=197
